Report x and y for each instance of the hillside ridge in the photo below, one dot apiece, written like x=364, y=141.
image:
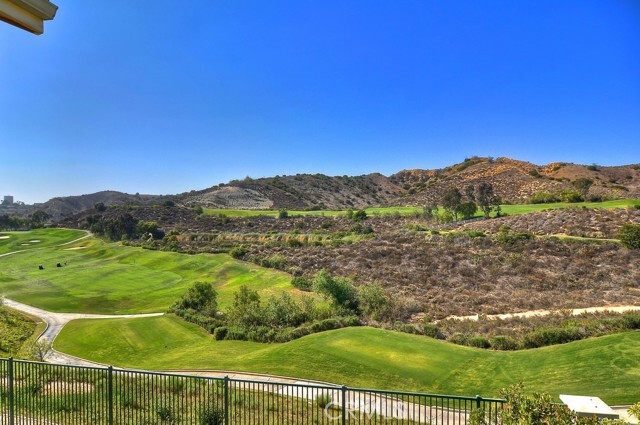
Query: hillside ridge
x=515, y=181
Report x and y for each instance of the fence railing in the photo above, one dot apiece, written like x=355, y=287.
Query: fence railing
x=42, y=393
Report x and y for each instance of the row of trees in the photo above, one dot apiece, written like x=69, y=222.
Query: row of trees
x=480, y=196
x=35, y=221
x=123, y=226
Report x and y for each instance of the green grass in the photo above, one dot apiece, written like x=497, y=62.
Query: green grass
x=608, y=367
x=109, y=278
x=528, y=208
x=16, y=330
x=21, y=241
x=327, y=213
x=508, y=209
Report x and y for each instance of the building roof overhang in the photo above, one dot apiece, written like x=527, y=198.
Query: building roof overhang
x=27, y=14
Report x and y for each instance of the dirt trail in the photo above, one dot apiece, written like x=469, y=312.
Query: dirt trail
x=531, y=313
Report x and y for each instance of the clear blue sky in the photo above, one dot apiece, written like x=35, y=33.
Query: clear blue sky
x=189, y=94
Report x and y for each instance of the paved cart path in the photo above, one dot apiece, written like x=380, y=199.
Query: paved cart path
x=56, y=321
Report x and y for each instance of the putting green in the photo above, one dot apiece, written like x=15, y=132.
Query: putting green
x=109, y=278
x=608, y=367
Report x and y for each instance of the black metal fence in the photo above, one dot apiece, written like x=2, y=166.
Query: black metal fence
x=42, y=393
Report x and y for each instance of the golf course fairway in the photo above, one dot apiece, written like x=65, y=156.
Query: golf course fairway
x=365, y=357
x=108, y=278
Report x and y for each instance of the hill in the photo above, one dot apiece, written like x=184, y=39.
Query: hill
x=61, y=207
x=514, y=181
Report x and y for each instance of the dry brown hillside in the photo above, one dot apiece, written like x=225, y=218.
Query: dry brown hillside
x=516, y=181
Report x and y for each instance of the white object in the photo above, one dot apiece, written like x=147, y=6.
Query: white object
x=589, y=406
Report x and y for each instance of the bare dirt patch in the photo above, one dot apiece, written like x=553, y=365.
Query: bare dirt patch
x=35, y=241
x=59, y=387
x=75, y=248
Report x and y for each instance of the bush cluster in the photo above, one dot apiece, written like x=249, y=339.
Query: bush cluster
x=523, y=333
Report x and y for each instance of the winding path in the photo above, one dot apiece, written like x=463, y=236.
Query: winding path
x=56, y=321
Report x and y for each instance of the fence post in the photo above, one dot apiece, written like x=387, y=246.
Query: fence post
x=226, y=400
x=478, y=402
x=110, y=392
x=11, y=389
x=344, y=405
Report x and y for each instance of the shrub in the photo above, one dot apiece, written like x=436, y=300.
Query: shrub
x=543, y=198
x=475, y=233
x=359, y=215
x=504, y=343
x=431, y=330
x=294, y=243
x=571, y=196
x=551, y=336
x=479, y=342
x=629, y=235
x=220, y=333
x=275, y=261
x=211, y=416
x=323, y=400
x=459, y=338
x=632, y=321
x=532, y=409
x=635, y=410
x=303, y=283
x=283, y=214
x=238, y=252
x=338, y=289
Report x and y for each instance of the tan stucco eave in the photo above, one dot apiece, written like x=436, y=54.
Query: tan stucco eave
x=27, y=14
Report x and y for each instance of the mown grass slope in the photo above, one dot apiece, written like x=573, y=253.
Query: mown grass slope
x=608, y=367
x=507, y=209
x=110, y=278
x=39, y=238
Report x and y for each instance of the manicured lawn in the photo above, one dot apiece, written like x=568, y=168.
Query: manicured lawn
x=608, y=367
x=328, y=213
x=110, y=278
x=528, y=208
x=509, y=209
x=39, y=238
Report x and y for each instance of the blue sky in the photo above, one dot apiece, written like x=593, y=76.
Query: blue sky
x=185, y=95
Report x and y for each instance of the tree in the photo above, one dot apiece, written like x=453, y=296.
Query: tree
x=338, y=289
x=245, y=311
x=41, y=349
x=451, y=201
x=374, y=301
x=150, y=227
x=283, y=214
x=39, y=218
x=120, y=226
x=202, y=298
x=468, y=210
x=630, y=235
x=485, y=197
x=583, y=186
x=100, y=207
x=359, y=215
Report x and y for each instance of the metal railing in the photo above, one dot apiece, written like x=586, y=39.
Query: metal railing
x=42, y=393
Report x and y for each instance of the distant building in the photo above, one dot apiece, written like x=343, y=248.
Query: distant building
x=8, y=200
x=27, y=14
